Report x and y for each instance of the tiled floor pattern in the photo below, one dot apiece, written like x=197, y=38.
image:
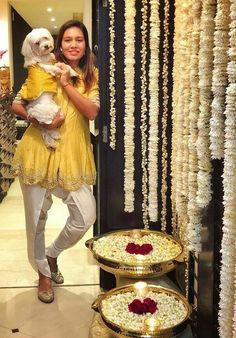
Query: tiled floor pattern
x=21, y=314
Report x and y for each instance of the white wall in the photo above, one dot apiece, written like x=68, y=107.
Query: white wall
x=87, y=18
x=5, y=29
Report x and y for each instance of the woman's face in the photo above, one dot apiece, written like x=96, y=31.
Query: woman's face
x=73, y=45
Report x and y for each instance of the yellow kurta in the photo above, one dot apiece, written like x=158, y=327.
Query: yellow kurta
x=68, y=166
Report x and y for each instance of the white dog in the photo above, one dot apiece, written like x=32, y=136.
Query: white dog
x=41, y=85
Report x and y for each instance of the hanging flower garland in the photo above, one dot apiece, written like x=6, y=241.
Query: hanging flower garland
x=205, y=82
x=153, y=109
x=175, y=100
x=227, y=322
x=129, y=122
x=194, y=211
x=183, y=193
x=180, y=118
x=112, y=68
x=165, y=113
x=143, y=126
x=219, y=80
x=234, y=319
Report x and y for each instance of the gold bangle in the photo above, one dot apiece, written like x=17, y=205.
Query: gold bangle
x=66, y=84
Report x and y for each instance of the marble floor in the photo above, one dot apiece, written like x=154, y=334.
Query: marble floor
x=21, y=314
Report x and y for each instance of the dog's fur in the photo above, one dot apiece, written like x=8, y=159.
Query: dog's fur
x=36, y=49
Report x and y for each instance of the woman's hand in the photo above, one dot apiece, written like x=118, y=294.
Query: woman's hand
x=56, y=123
x=63, y=73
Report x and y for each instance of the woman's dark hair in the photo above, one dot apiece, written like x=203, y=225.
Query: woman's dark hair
x=87, y=62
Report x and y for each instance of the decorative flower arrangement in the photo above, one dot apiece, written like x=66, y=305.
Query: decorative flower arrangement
x=2, y=52
x=220, y=78
x=142, y=307
x=152, y=248
x=138, y=249
x=112, y=66
x=205, y=84
x=227, y=304
x=192, y=98
x=165, y=98
x=167, y=309
x=194, y=211
x=180, y=118
x=143, y=126
x=129, y=122
x=153, y=89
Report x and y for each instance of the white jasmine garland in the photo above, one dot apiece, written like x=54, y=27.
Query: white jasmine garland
x=181, y=93
x=153, y=89
x=220, y=78
x=194, y=211
x=227, y=305
x=234, y=319
x=129, y=121
x=205, y=82
x=170, y=310
x=164, y=114
x=175, y=97
x=143, y=126
x=112, y=68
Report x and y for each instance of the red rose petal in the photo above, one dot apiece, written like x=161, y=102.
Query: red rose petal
x=139, y=307
x=143, y=249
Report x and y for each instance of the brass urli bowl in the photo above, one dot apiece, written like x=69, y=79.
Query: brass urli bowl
x=157, y=332
x=137, y=268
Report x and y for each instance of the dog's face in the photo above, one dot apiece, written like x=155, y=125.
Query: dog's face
x=38, y=42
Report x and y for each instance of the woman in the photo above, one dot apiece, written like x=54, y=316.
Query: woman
x=66, y=172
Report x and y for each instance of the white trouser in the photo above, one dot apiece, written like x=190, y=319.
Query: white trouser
x=37, y=201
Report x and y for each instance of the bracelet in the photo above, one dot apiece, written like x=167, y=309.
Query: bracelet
x=66, y=84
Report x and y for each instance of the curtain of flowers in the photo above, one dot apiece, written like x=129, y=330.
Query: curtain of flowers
x=204, y=129
x=191, y=162
x=203, y=121
x=142, y=43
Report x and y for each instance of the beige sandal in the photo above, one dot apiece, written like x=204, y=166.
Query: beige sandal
x=57, y=277
x=46, y=296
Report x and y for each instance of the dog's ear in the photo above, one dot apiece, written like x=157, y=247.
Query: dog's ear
x=26, y=49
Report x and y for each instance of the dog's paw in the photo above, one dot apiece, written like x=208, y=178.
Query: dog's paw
x=51, y=69
x=50, y=137
x=73, y=73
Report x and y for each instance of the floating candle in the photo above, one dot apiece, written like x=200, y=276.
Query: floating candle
x=141, y=289
x=135, y=234
x=152, y=324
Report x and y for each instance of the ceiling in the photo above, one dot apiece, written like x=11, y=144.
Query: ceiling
x=35, y=13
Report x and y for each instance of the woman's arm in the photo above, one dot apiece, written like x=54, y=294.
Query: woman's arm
x=19, y=110
x=88, y=108
x=84, y=105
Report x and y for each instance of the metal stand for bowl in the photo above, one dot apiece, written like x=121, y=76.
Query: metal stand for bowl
x=163, y=280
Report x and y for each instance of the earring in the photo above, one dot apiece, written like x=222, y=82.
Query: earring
x=61, y=49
